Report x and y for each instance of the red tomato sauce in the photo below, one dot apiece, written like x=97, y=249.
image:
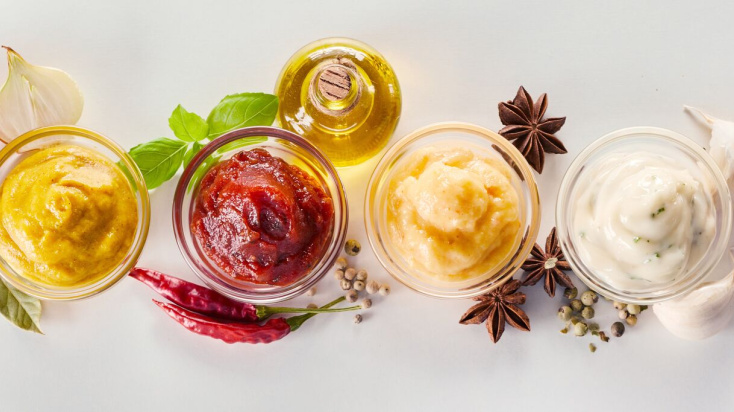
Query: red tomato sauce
x=262, y=220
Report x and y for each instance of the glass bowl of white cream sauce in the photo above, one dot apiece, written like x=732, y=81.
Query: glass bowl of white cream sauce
x=643, y=215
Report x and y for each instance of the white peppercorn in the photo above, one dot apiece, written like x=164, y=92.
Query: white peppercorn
x=350, y=273
x=372, y=287
x=351, y=296
x=384, y=289
x=366, y=303
x=358, y=318
x=362, y=275
x=345, y=284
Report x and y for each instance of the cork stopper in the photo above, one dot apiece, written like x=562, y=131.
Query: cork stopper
x=335, y=83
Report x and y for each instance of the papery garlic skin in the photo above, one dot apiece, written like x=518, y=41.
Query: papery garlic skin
x=721, y=145
x=701, y=313
x=35, y=96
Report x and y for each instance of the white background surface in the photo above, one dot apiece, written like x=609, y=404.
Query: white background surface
x=605, y=64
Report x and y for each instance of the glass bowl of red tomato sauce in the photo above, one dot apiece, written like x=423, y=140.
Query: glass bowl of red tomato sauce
x=260, y=214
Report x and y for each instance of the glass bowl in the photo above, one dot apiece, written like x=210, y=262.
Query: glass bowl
x=480, y=141
x=652, y=140
x=294, y=150
x=41, y=138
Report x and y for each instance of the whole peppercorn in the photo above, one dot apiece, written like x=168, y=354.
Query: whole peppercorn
x=311, y=291
x=372, y=287
x=312, y=306
x=341, y=264
x=580, y=329
x=366, y=303
x=577, y=305
x=359, y=285
x=351, y=296
x=587, y=312
x=589, y=297
x=339, y=275
x=352, y=247
x=358, y=318
x=617, y=329
x=575, y=319
x=619, y=305
x=633, y=309
x=623, y=314
x=570, y=293
x=350, y=273
x=632, y=320
x=345, y=284
x=593, y=327
x=362, y=275
x=384, y=289
x=564, y=313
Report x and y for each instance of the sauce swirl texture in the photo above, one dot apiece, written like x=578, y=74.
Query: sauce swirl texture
x=262, y=220
x=68, y=216
x=642, y=219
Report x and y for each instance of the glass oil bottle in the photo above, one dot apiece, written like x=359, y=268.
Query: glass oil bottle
x=342, y=96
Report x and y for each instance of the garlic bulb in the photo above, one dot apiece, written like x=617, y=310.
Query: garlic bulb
x=35, y=96
x=721, y=145
x=702, y=313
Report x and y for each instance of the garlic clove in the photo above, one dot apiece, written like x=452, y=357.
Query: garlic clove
x=721, y=145
x=35, y=96
x=701, y=313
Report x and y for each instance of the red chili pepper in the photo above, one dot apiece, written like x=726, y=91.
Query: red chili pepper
x=205, y=301
x=195, y=297
x=270, y=331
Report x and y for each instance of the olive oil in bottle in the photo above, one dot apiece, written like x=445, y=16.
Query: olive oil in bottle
x=342, y=96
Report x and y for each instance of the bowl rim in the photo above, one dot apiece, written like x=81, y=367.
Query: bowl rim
x=194, y=260
x=140, y=190
x=689, y=281
x=527, y=178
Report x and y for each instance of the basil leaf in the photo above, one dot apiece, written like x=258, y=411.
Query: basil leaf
x=241, y=110
x=204, y=167
x=189, y=127
x=191, y=152
x=20, y=309
x=159, y=159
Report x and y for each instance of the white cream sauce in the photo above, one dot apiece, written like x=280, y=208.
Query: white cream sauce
x=642, y=219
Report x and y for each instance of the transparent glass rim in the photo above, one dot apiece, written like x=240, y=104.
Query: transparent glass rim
x=503, y=274
x=697, y=273
x=45, y=291
x=190, y=252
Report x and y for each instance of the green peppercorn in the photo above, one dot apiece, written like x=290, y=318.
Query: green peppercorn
x=352, y=247
x=587, y=313
x=577, y=305
x=564, y=331
x=593, y=327
x=570, y=293
x=617, y=329
x=564, y=313
x=580, y=329
x=575, y=319
x=631, y=320
x=589, y=297
x=592, y=347
x=619, y=305
x=633, y=309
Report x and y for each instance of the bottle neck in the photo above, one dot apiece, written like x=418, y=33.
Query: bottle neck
x=336, y=88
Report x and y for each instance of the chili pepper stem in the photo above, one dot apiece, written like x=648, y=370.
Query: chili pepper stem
x=263, y=312
x=295, y=322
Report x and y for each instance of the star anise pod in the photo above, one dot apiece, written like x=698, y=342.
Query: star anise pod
x=530, y=133
x=497, y=308
x=550, y=264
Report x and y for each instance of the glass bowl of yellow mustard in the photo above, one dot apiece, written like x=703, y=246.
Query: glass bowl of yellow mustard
x=452, y=210
x=74, y=213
